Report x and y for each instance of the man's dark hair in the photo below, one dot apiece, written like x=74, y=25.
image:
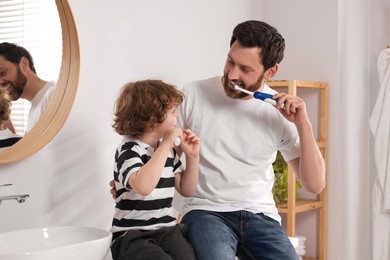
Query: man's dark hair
x=262, y=35
x=14, y=53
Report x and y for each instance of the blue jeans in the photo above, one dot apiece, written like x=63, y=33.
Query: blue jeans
x=223, y=235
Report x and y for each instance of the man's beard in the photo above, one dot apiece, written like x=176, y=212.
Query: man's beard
x=15, y=89
x=237, y=94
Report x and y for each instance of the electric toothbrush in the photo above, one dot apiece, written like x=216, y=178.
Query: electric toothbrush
x=258, y=95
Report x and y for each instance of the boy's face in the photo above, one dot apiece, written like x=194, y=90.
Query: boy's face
x=170, y=121
x=243, y=66
x=12, y=78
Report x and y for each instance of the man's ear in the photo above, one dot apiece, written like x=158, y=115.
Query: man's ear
x=270, y=73
x=24, y=64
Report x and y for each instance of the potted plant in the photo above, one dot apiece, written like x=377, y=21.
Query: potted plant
x=281, y=180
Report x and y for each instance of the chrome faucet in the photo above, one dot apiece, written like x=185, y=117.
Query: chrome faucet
x=19, y=198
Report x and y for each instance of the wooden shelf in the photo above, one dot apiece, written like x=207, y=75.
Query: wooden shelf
x=321, y=144
x=301, y=206
x=319, y=206
x=296, y=83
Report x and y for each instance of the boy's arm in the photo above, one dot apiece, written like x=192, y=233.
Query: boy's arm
x=145, y=180
x=186, y=181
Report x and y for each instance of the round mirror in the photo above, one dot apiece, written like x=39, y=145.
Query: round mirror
x=59, y=108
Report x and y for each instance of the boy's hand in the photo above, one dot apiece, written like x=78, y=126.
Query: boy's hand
x=190, y=143
x=113, y=190
x=171, y=136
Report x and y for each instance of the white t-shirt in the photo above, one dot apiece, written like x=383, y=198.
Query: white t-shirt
x=39, y=103
x=239, y=141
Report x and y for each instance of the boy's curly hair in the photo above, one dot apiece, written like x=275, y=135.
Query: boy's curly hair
x=5, y=105
x=144, y=102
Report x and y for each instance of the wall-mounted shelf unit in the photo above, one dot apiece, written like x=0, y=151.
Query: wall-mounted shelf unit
x=293, y=206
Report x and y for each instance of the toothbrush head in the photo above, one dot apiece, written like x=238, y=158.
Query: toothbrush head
x=237, y=86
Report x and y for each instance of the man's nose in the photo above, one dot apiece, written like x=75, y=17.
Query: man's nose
x=234, y=73
x=3, y=79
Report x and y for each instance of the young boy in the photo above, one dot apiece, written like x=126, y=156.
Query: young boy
x=7, y=137
x=147, y=171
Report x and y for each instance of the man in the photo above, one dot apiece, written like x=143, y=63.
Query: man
x=18, y=76
x=232, y=211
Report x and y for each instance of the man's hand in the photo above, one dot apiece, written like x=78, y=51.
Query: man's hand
x=293, y=108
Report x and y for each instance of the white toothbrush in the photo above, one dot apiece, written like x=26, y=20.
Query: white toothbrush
x=177, y=141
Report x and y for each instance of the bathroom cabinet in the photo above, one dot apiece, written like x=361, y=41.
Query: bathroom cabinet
x=318, y=205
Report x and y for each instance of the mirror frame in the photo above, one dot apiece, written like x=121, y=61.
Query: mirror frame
x=60, y=106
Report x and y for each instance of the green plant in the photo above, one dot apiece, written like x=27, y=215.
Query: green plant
x=280, y=187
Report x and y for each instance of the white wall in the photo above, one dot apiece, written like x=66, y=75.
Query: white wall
x=327, y=40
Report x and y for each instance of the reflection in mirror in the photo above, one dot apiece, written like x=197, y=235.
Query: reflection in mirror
x=54, y=117
x=7, y=137
x=33, y=25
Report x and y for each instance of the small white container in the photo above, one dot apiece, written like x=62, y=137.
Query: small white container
x=294, y=241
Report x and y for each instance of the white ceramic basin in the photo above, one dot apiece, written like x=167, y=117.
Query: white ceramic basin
x=59, y=243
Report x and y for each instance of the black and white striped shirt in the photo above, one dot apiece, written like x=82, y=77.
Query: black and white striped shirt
x=134, y=211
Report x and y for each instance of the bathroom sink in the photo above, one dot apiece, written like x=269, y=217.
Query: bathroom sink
x=59, y=243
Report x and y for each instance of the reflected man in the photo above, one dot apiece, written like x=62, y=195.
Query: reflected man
x=18, y=76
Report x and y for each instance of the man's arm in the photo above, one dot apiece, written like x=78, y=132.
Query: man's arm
x=186, y=181
x=310, y=167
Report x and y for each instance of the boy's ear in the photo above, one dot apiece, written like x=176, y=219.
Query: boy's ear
x=270, y=73
x=149, y=126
